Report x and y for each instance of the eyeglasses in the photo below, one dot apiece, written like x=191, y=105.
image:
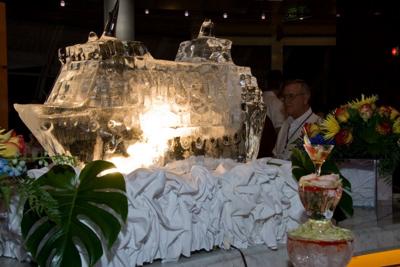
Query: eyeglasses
x=290, y=97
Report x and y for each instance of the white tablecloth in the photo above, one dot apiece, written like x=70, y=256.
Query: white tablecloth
x=195, y=204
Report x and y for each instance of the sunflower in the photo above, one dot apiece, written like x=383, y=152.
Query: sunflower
x=356, y=104
x=330, y=126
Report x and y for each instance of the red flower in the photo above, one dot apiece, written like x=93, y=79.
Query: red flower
x=383, y=128
x=341, y=114
x=385, y=111
x=343, y=137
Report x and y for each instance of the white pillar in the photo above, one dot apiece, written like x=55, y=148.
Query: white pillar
x=126, y=18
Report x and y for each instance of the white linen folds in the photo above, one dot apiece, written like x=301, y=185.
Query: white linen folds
x=195, y=204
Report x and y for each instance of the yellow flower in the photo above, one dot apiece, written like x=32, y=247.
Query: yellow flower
x=6, y=136
x=330, y=126
x=356, y=104
x=394, y=113
x=396, y=126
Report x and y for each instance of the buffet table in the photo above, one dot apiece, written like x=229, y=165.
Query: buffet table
x=373, y=232
x=194, y=204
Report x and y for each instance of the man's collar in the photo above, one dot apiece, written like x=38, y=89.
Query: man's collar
x=302, y=117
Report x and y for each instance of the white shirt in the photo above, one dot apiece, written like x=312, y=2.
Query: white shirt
x=275, y=110
x=290, y=132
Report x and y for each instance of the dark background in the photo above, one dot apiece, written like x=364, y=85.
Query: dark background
x=361, y=61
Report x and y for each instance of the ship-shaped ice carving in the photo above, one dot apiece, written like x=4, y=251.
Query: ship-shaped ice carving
x=112, y=100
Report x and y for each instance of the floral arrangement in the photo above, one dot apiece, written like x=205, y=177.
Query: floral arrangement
x=361, y=129
x=54, y=203
x=14, y=163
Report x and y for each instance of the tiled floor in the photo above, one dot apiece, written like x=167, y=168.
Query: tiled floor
x=375, y=229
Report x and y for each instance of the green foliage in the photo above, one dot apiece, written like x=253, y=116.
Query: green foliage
x=39, y=200
x=95, y=196
x=302, y=165
x=5, y=189
x=14, y=180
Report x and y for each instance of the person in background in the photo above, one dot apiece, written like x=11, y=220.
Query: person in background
x=296, y=96
x=275, y=109
x=275, y=113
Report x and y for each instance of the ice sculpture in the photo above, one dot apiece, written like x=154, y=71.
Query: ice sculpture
x=112, y=100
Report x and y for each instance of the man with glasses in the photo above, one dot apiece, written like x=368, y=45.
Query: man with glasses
x=296, y=101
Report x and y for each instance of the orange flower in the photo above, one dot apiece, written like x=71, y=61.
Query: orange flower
x=344, y=137
x=383, y=128
x=366, y=111
x=341, y=114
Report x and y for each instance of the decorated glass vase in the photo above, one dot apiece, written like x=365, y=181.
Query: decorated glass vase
x=318, y=153
x=318, y=242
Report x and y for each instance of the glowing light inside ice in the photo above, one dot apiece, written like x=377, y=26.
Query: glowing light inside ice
x=159, y=125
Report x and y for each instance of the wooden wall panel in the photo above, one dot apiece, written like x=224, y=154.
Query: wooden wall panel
x=3, y=69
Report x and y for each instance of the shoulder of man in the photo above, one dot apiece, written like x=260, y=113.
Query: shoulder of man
x=314, y=118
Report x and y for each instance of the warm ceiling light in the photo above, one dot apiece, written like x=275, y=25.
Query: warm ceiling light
x=225, y=15
x=62, y=3
x=263, y=16
x=146, y=11
x=186, y=13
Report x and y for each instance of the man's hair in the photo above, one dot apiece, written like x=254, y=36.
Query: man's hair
x=304, y=86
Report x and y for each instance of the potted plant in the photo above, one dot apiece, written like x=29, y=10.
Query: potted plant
x=361, y=129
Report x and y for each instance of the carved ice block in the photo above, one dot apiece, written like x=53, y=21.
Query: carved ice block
x=112, y=100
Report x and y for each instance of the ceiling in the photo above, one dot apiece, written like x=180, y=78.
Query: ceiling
x=365, y=31
x=170, y=13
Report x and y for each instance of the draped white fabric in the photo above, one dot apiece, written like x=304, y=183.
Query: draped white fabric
x=198, y=203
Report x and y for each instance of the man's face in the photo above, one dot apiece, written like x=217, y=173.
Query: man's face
x=295, y=100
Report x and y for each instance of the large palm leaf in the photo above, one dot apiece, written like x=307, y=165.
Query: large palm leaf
x=92, y=208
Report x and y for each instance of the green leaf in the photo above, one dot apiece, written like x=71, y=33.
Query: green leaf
x=92, y=197
x=5, y=194
x=301, y=163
